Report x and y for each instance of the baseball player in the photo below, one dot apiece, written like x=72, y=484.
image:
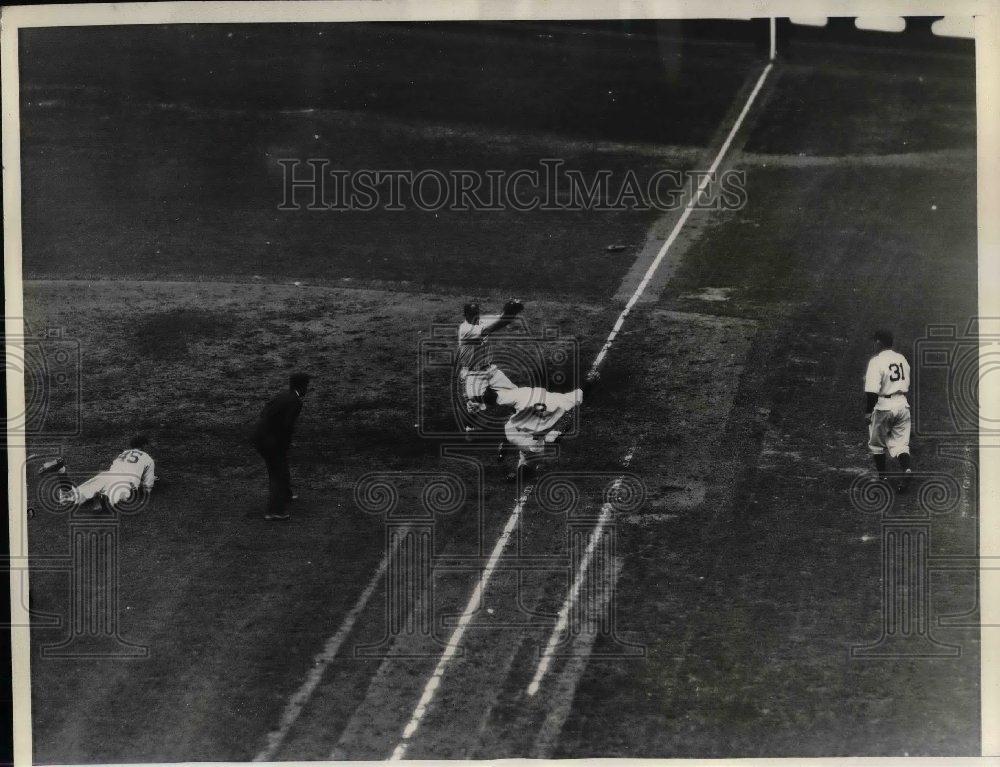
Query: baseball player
x=476, y=371
x=887, y=411
x=536, y=412
x=130, y=477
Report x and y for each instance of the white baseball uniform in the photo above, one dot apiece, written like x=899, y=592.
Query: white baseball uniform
x=888, y=376
x=131, y=470
x=473, y=346
x=476, y=372
x=530, y=427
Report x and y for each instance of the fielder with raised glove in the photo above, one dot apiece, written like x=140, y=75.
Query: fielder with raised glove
x=512, y=308
x=476, y=371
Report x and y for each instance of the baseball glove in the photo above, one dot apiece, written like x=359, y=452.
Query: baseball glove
x=512, y=308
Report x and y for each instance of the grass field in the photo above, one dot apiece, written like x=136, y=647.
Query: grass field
x=197, y=183
x=151, y=235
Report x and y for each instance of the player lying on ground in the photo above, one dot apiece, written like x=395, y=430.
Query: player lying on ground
x=887, y=381
x=128, y=479
x=476, y=371
x=531, y=426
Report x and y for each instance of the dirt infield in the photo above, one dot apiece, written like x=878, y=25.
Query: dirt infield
x=203, y=538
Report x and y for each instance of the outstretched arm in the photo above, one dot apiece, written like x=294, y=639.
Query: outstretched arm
x=497, y=324
x=510, y=310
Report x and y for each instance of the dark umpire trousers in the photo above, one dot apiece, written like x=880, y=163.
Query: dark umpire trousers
x=279, y=479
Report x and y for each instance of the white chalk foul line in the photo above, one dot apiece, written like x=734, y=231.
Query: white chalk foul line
x=563, y=618
x=685, y=215
x=430, y=689
x=567, y=681
x=560, y=627
x=296, y=704
x=456, y=636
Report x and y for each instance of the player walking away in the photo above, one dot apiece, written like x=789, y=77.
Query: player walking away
x=273, y=437
x=531, y=426
x=887, y=381
x=128, y=479
x=476, y=371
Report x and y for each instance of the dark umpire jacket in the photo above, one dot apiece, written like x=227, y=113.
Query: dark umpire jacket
x=273, y=432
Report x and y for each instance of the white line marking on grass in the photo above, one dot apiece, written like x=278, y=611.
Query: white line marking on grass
x=563, y=618
x=296, y=704
x=568, y=680
x=560, y=627
x=680, y=223
x=430, y=689
x=456, y=636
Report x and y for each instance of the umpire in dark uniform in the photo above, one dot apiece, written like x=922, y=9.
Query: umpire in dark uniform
x=273, y=436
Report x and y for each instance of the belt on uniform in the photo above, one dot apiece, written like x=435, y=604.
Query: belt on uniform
x=894, y=394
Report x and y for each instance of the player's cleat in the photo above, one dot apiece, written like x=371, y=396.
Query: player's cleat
x=55, y=466
x=277, y=517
